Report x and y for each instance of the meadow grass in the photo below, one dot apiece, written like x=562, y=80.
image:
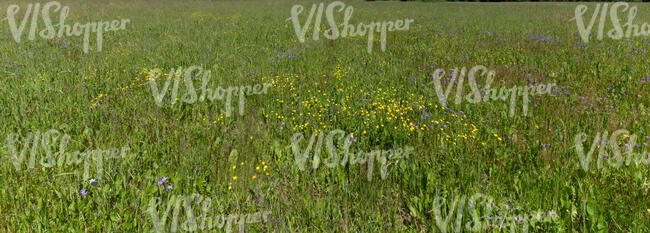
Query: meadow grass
x=102, y=100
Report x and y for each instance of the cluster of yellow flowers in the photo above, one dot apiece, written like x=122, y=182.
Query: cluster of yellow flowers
x=94, y=101
x=261, y=166
x=318, y=110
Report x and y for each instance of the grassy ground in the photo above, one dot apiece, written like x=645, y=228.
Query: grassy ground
x=102, y=100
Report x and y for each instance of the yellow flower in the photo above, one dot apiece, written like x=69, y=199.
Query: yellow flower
x=242, y=163
x=257, y=168
x=262, y=162
x=648, y=210
x=234, y=178
x=234, y=166
x=267, y=173
x=229, y=187
x=254, y=177
x=265, y=168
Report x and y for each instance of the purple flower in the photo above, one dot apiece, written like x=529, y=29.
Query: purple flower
x=169, y=187
x=83, y=192
x=162, y=181
x=93, y=181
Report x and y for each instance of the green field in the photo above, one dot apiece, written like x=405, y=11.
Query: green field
x=245, y=163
